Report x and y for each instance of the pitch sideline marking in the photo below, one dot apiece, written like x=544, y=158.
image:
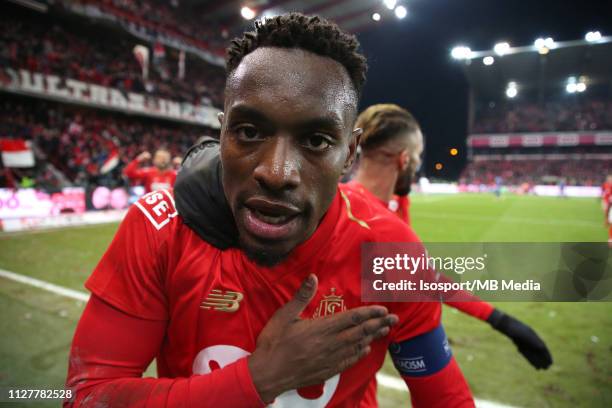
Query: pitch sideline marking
x=50, y=287
x=383, y=379
x=395, y=383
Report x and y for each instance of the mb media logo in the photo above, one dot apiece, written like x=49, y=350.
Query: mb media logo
x=411, y=365
x=222, y=302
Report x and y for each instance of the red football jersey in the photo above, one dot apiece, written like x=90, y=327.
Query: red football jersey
x=606, y=193
x=217, y=302
x=151, y=177
x=400, y=205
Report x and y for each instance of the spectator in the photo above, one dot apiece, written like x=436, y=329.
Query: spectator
x=79, y=141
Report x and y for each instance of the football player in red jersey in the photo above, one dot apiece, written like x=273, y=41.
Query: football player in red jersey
x=392, y=143
x=157, y=177
x=391, y=147
x=279, y=320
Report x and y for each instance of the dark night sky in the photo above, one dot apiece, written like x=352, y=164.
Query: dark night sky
x=410, y=63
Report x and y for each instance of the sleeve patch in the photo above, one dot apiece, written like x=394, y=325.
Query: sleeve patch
x=422, y=355
x=158, y=207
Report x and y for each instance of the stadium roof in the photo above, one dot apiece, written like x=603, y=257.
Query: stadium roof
x=532, y=69
x=352, y=15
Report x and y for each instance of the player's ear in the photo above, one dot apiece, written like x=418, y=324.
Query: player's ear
x=353, y=145
x=404, y=160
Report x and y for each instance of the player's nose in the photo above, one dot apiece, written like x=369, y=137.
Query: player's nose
x=278, y=168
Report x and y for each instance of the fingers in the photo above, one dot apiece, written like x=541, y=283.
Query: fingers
x=355, y=317
x=358, y=337
x=292, y=309
x=374, y=328
x=353, y=358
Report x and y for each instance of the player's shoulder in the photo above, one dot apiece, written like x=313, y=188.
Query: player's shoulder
x=156, y=209
x=379, y=223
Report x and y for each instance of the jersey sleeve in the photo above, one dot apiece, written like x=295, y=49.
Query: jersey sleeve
x=445, y=388
x=111, y=350
x=131, y=274
x=419, y=347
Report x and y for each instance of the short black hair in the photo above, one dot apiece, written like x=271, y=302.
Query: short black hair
x=310, y=33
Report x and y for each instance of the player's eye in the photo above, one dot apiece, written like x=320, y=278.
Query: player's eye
x=248, y=133
x=317, y=142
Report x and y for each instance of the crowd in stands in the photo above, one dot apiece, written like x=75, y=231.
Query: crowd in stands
x=41, y=44
x=165, y=18
x=591, y=172
x=79, y=141
x=569, y=115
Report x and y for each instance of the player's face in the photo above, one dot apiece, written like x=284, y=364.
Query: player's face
x=161, y=160
x=286, y=138
x=406, y=176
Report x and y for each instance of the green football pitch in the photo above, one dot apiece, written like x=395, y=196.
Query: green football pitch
x=37, y=326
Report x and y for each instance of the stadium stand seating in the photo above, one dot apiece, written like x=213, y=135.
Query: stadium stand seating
x=78, y=141
x=558, y=115
x=164, y=18
x=71, y=143
x=517, y=171
x=71, y=49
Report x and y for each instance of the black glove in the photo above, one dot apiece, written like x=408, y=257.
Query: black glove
x=199, y=196
x=527, y=341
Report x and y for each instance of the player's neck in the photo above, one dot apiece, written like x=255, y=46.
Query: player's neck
x=378, y=180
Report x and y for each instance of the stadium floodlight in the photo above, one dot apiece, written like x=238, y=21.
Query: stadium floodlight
x=571, y=88
x=581, y=87
x=544, y=45
x=488, y=60
x=247, y=13
x=511, y=90
x=400, y=12
x=376, y=16
x=501, y=48
x=549, y=43
x=461, y=52
x=593, y=36
x=390, y=4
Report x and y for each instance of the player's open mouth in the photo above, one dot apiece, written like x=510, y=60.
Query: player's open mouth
x=270, y=220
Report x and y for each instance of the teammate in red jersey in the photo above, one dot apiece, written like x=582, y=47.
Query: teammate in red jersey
x=224, y=325
x=391, y=146
x=159, y=176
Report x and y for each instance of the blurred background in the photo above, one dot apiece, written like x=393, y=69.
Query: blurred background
x=514, y=98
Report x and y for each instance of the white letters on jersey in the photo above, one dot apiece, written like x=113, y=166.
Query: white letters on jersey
x=158, y=207
x=219, y=356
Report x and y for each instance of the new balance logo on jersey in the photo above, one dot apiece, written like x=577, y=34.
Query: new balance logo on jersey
x=227, y=301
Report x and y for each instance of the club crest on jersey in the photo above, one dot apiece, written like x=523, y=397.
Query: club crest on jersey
x=221, y=301
x=329, y=305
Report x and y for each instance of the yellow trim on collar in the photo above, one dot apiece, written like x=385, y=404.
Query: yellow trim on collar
x=350, y=212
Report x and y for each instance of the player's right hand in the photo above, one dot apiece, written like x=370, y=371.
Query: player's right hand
x=293, y=353
x=144, y=156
